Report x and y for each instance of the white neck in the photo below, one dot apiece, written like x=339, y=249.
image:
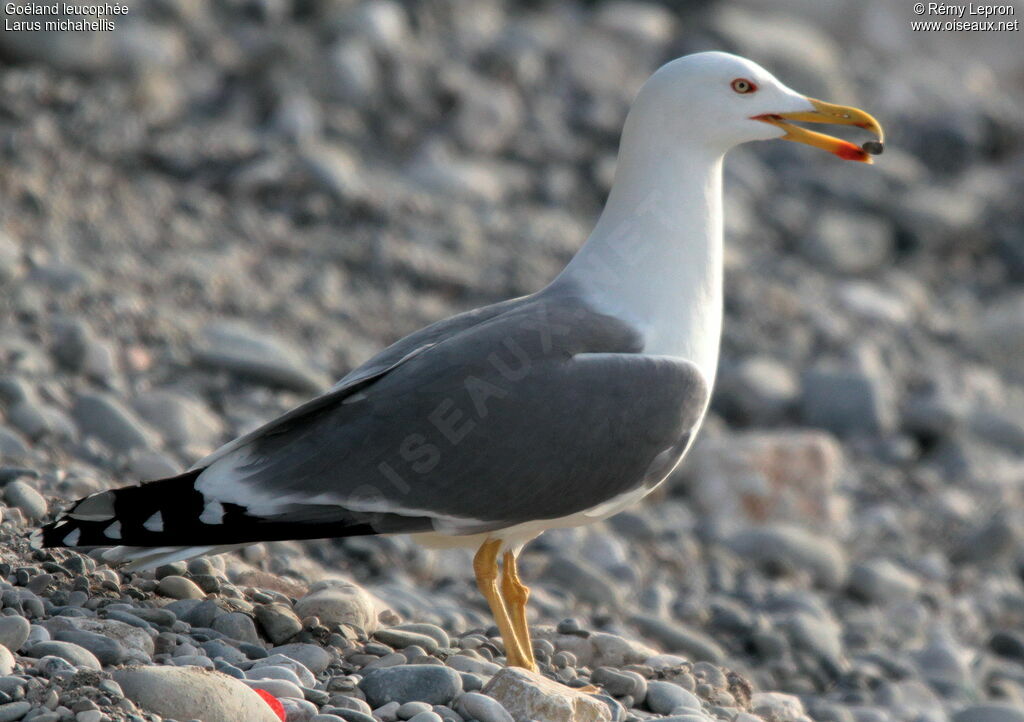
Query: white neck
x=655, y=256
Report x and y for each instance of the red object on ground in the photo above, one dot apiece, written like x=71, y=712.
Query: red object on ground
x=274, y=702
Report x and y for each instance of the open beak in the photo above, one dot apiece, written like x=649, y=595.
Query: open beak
x=836, y=115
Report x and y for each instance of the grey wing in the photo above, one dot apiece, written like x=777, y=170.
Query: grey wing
x=381, y=363
x=540, y=412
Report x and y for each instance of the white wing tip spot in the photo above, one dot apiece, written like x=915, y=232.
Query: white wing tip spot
x=155, y=523
x=213, y=513
x=72, y=538
x=113, y=531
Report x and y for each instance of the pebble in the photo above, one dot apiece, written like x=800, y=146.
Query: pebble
x=400, y=639
x=339, y=603
x=407, y=710
x=882, y=581
x=237, y=625
x=526, y=695
x=846, y=402
x=279, y=622
x=473, y=705
x=177, y=587
x=428, y=717
x=793, y=548
x=990, y=713
x=256, y=356
x=73, y=653
x=107, y=651
x=667, y=698
x=677, y=638
x=14, y=711
x=190, y=693
x=14, y=631
x=23, y=496
x=411, y=683
x=104, y=417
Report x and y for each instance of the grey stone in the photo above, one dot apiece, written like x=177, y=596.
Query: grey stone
x=992, y=712
x=150, y=464
x=846, y=401
x=339, y=603
x=77, y=655
x=784, y=547
x=23, y=496
x=430, y=630
x=276, y=687
x=313, y=657
x=188, y=693
x=409, y=709
x=278, y=622
x=236, y=625
x=106, y=650
x=882, y=581
x=666, y=698
x=589, y=583
x=428, y=717
x=676, y=637
x=177, y=587
x=400, y=639
x=103, y=417
x=757, y=390
x=12, y=445
x=849, y=243
x=298, y=709
x=6, y=661
x=620, y=683
x=180, y=420
x=304, y=677
x=411, y=683
x=1000, y=332
x=473, y=705
x=354, y=70
x=14, y=711
x=14, y=631
x=256, y=356
x=53, y=667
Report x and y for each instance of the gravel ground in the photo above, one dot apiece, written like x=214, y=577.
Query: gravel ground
x=210, y=213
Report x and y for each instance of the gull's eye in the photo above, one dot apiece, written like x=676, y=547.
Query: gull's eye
x=742, y=85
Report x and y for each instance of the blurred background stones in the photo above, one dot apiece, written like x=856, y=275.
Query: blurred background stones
x=213, y=212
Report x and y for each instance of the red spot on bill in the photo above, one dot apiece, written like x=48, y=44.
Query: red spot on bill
x=848, y=151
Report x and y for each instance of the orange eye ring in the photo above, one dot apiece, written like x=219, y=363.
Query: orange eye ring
x=743, y=86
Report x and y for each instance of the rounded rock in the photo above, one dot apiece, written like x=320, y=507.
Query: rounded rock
x=73, y=653
x=474, y=705
x=14, y=632
x=339, y=603
x=411, y=683
x=177, y=587
x=24, y=497
x=191, y=693
x=667, y=698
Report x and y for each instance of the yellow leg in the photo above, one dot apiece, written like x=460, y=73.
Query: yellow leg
x=485, y=566
x=516, y=595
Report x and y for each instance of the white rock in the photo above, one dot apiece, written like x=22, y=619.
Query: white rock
x=776, y=476
x=778, y=706
x=339, y=602
x=527, y=695
x=192, y=693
